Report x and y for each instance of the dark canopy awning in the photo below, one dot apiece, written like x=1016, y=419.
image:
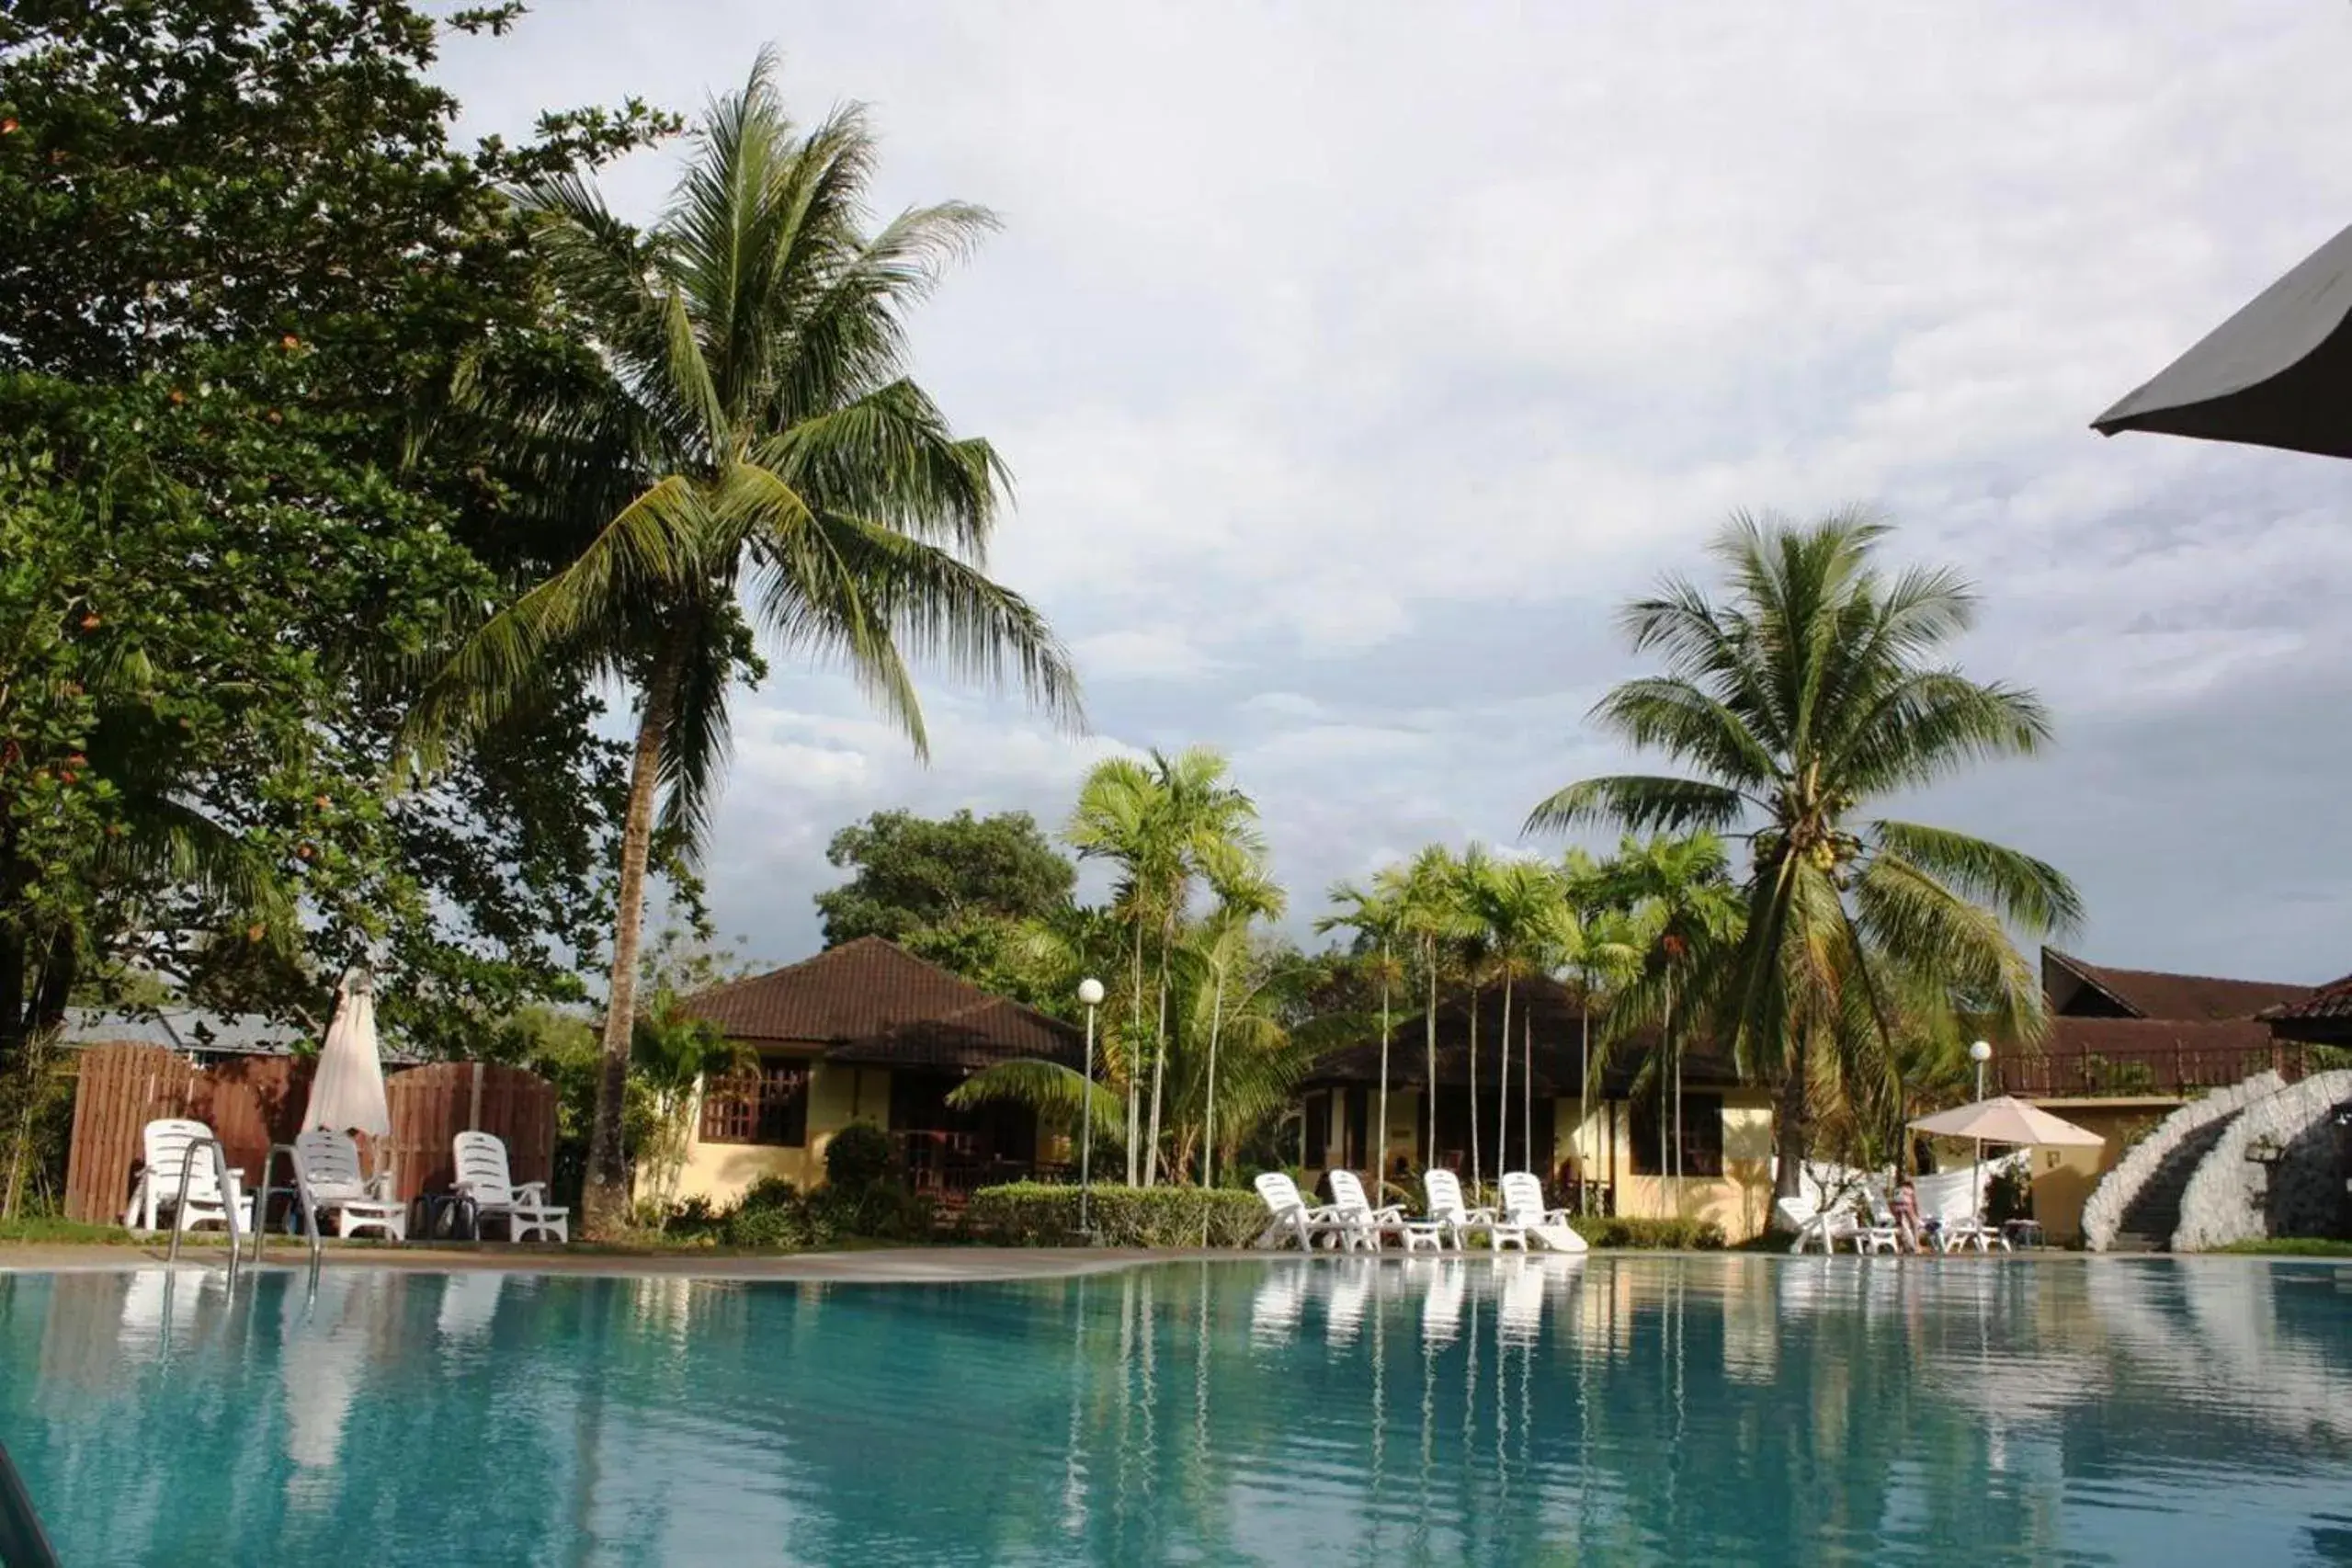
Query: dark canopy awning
x=2279, y=373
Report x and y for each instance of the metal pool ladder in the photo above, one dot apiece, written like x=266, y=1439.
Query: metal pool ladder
x=301, y=1191
x=228, y=1202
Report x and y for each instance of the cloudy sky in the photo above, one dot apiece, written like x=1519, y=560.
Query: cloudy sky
x=1356, y=361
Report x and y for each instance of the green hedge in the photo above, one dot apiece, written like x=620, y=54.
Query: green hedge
x=1031, y=1213
x=1609, y=1230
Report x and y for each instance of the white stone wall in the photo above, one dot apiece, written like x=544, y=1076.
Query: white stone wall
x=2103, y=1214
x=2230, y=1198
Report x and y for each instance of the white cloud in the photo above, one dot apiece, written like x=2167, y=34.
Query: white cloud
x=1355, y=364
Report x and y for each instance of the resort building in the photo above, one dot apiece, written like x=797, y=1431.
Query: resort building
x=868, y=1032
x=1609, y=1149
x=2126, y=1047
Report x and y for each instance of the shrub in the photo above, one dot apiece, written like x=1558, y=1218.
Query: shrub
x=1033, y=1213
x=858, y=1156
x=776, y=1227
x=1610, y=1231
x=768, y=1192
x=881, y=1210
x=2008, y=1194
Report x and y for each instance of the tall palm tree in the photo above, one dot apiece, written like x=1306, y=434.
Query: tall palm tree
x=1119, y=817
x=1474, y=944
x=1812, y=689
x=1375, y=915
x=1523, y=906
x=1245, y=894
x=747, y=456
x=1165, y=824
x=1607, y=951
x=1429, y=917
x=1679, y=895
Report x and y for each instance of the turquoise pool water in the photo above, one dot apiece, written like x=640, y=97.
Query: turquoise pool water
x=1720, y=1411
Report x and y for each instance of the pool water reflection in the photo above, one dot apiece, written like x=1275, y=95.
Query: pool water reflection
x=1617, y=1409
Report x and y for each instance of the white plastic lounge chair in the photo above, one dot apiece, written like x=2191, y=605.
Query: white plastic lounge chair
x=1972, y=1232
x=1289, y=1217
x=1519, y=1315
x=1343, y=1316
x=1523, y=1210
x=1450, y=1219
x=166, y=1146
x=1274, y=1308
x=1441, y=1308
x=331, y=1164
x=1360, y=1225
x=482, y=1177
x=1880, y=1234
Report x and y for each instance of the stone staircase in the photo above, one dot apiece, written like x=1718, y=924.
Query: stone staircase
x=2154, y=1213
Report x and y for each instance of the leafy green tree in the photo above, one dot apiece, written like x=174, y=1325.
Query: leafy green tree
x=750, y=456
x=910, y=872
x=1812, y=690
x=222, y=308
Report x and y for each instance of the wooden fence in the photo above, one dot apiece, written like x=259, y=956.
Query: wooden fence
x=254, y=1102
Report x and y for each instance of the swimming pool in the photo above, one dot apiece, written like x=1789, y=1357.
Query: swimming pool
x=1728, y=1410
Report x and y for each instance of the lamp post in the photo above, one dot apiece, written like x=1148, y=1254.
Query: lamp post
x=1090, y=993
x=1980, y=1053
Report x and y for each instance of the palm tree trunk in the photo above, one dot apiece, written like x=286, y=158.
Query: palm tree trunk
x=1430, y=953
x=1476, y=1172
x=1527, y=1088
x=1668, y=1152
x=1503, y=1088
x=1379, y=1139
x=1135, y=1033
x=1159, y=1065
x=1583, y=1087
x=1789, y=1128
x=604, y=1196
x=1209, y=1137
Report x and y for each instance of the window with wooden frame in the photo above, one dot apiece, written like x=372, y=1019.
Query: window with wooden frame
x=767, y=1104
x=1702, y=1136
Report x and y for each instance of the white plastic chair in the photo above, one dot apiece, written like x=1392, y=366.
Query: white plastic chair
x=1880, y=1234
x=331, y=1162
x=1450, y=1219
x=1524, y=1211
x=482, y=1177
x=1359, y=1224
x=212, y=1193
x=1289, y=1216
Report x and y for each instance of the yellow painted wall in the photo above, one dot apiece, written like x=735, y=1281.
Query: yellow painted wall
x=2064, y=1179
x=837, y=1096
x=1740, y=1200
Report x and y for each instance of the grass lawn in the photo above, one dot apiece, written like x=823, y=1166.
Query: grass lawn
x=2292, y=1246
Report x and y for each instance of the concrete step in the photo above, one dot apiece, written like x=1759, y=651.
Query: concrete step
x=2137, y=1241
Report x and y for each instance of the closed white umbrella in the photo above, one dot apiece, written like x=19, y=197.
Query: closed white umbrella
x=347, y=1091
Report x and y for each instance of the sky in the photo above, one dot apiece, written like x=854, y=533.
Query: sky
x=1357, y=362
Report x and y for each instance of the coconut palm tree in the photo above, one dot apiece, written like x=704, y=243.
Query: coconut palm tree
x=1812, y=689
x=1120, y=818
x=1474, y=946
x=1375, y=915
x=744, y=456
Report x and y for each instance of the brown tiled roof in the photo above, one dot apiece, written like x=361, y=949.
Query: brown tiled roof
x=2152, y=993
x=2333, y=1000
x=871, y=1001
x=2122, y=1039
x=1559, y=1048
